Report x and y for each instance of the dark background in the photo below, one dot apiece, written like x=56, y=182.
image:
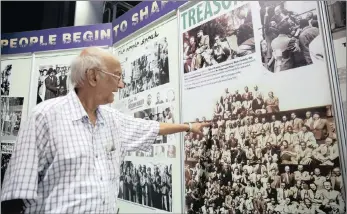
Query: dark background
x=19, y=16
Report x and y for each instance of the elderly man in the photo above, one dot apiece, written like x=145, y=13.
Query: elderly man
x=67, y=157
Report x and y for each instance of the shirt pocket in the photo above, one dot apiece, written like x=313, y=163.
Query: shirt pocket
x=112, y=164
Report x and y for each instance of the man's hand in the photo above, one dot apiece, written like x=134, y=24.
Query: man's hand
x=197, y=127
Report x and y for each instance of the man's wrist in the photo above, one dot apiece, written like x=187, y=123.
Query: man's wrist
x=189, y=127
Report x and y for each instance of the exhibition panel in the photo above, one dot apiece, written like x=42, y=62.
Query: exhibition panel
x=273, y=140
x=15, y=83
x=149, y=63
x=270, y=77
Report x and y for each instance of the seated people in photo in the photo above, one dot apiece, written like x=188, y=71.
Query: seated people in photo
x=202, y=50
x=327, y=154
x=221, y=51
x=272, y=103
x=245, y=40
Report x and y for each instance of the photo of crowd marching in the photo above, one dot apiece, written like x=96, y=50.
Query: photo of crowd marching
x=258, y=159
x=289, y=38
x=222, y=39
x=147, y=184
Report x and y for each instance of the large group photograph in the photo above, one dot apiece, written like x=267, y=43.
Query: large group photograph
x=163, y=114
x=148, y=71
x=11, y=115
x=53, y=81
x=290, y=35
x=5, y=79
x=148, y=184
x=221, y=39
x=275, y=162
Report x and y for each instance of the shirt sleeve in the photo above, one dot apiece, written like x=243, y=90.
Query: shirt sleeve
x=21, y=176
x=137, y=134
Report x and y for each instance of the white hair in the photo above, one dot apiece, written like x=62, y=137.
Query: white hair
x=93, y=58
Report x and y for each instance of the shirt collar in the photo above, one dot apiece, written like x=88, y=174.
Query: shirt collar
x=77, y=111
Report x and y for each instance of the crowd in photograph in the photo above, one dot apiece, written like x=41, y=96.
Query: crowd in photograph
x=224, y=38
x=274, y=162
x=53, y=82
x=5, y=82
x=288, y=37
x=146, y=184
x=248, y=102
x=148, y=71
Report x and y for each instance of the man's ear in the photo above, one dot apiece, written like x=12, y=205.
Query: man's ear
x=92, y=77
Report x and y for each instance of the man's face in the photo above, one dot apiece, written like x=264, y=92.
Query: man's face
x=328, y=141
x=271, y=94
x=107, y=83
x=293, y=116
x=317, y=171
x=284, y=118
x=327, y=185
x=149, y=99
x=308, y=114
x=199, y=34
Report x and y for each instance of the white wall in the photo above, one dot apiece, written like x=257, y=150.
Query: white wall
x=88, y=12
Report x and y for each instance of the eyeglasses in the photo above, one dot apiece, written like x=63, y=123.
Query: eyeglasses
x=114, y=75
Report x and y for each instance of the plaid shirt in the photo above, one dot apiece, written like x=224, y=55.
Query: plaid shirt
x=63, y=164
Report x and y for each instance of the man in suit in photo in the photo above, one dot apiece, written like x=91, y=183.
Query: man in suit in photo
x=287, y=177
x=297, y=123
x=51, y=83
x=203, y=46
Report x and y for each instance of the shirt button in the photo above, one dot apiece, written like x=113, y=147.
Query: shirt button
x=101, y=178
x=103, y=202
x=96, y=156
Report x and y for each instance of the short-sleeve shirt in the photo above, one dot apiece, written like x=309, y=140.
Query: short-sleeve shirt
x=63, y=164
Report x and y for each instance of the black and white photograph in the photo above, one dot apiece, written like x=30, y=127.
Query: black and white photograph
x=278, y=162
x=171, y=151
x=290, y=34
x=11, y=115
x=6, y=151
x=148, y=184
x=148, y=71
x=224, y=38
x=163, y=113
x=142, y=153
x=54, y=81
x=5, y=80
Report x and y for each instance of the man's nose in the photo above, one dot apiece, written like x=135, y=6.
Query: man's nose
x=121, y=84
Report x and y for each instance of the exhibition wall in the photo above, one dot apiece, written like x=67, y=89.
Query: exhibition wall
x=260, y=72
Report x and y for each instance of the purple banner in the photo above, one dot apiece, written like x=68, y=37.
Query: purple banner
x=141, y=15
x=56, y=39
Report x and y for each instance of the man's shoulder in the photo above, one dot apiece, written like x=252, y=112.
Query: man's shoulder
x=50, y=106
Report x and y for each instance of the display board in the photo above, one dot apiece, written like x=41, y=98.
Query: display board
x=15, y=83
x=257, y=71
x=149, y=63
x=272, y=145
